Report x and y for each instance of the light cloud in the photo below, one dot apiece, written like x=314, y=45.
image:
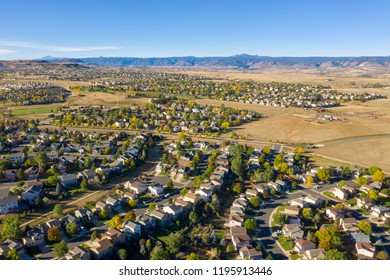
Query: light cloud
x=30, y=45
x=3, y=51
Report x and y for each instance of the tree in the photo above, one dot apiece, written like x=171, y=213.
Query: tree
x=309, y=180
x=280, y=218
x=230, y=249
x=12, y=255
x=11, y=227
x=324, y=174
x=130, y=216
x=197, y=181
x=334, y=254
x=361, y=181
x=183, y=192
x=103, y=214
x=237, y=188
x=159, y=253
x=250, y=225
x=170, y=184
x=324, y=244
x=53, y=180
x=20, y=174
x=215, y=254
x=238, y=167
x=58, y=211
x=341, y=183
x=148, y=245
x=53, y=234
x=307, y=213
x=71, y=229
x=225, y=125
x=61, y=249
x=151, y=207
x=324, y=234
x=254, y=201
x=116, y=222
x=382, y=255
x=378, y=176
x=173, y=243
x=192, y=256
x=84, y=184
x=373, y=169
x=94, y=235
x=42, y=160
x=132, y=203
x=193, y=216
x=373, y=194
x=365, y=227
x=266, y=150
x=299, y=150
x=122, y=254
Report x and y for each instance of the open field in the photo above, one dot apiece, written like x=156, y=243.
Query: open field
x=34, y=111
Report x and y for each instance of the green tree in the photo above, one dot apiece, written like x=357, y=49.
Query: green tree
x=20, y=174
x=58, y=211
x=132, y=203
x=254, y=201
x=197, y=181
x=193, y=217
x=11, y=227
x=365, y=227
x=53, y=234
x=309, y=180
x=122, y=254
x=230, y=248
x=280, y=218
x=173, y=243
x=192, y=256
x=94, y=235
x=12, y=255
x=237, y=188
x=42, y=160
x=103, y=214
x=378, y=176
x=346, y=172
x=341, y=183
x=159, y=253
x=71, y=229
x=116, y=222
x=130, y=216
x=84, y=184
x=372, y=169
x=382, y=255
x=250, y=225
x=307, y=213
x=334, y=254
x=373, y=194
x=151, y=207
x=324, y=174
x=53, y=180
x=183, y=192
x=266, y=150
x=170, y=184
x=61, y=249
x=361, y=181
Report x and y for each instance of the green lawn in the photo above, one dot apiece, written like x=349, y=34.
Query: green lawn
x=144, y=197
x=286, y=243
x=328, y=194
x=364, y=211
x=294, y=257
x=220, y=233
x=161, y=235
x=385, y=202
x=35, y=111
x=352, y=201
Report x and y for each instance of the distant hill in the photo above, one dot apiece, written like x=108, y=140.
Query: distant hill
x=243, y=61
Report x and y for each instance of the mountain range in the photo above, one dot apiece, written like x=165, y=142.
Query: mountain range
x=243, y=61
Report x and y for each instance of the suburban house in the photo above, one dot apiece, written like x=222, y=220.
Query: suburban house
x=174, y=211
x=100, y=205
x=148, y=223
x=313, y=200
x=8, y=204
x=235, y=220
x=161, y=217
x=251, y=193
x=113, y=202
x=292, y=210
x=10, y=175
x=33, y=191
x=132, y=229
x=204, y=194
x=11, y=244
x=302, y=245
x=334, y=213
x=247, y=253
x=33, y=237
x=360, y=237
x=183, y=203
x=78, y=253
x=68, y=180
x=101, y=248
x=299, y=202
x=365, y=202
x=379, y=211
x=340, y=193
x=293, y=231
x=84, y=214
x=365, y=250
x=314, y=254
x=117, y=237
x=191, y=197
x=239, y=237
x=156, y=190
x=136, y=186
x=31, y=173
x=349, y=224
x=17, y=158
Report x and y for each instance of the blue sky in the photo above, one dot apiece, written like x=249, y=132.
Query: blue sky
x=151, y=28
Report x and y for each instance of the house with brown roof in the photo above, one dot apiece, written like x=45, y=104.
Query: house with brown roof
x=117, y=237
x=334, y=213
x=293, y=231
x=314, y=254
x=78, y=253
x=248, y=253
x=302, y=245
x=101, y=248
x=191, y=197
x=365, y=250
x=161, y=217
